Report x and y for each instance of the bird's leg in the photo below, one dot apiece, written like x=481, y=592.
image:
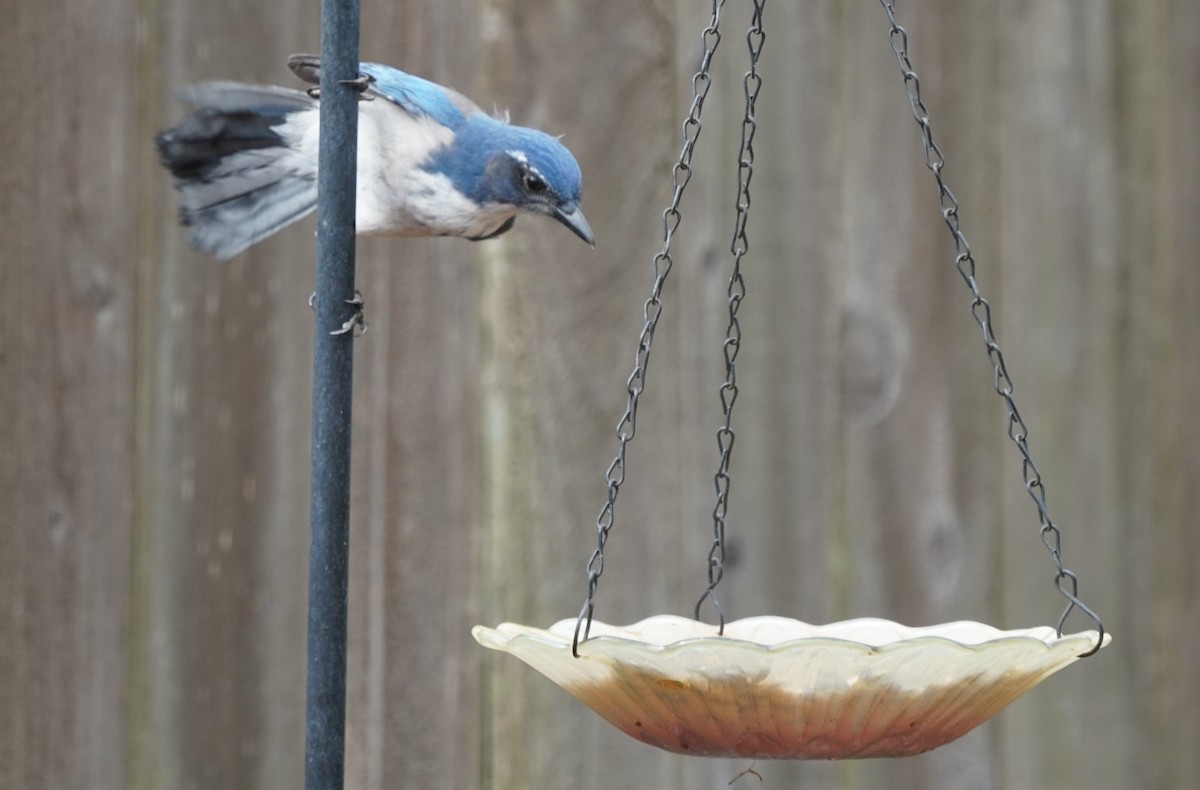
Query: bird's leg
x=357, y=322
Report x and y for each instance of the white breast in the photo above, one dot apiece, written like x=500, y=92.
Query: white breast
x=395, y=196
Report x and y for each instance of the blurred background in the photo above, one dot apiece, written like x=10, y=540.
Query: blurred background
x=155, y=439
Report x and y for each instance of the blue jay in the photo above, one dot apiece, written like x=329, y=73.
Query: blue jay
x=430, y=162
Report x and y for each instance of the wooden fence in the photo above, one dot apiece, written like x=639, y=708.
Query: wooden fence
x=154, y=445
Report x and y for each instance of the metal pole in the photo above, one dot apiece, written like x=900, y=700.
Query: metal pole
x=333, y=359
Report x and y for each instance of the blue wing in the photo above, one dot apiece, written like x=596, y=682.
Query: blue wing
x=420, y=97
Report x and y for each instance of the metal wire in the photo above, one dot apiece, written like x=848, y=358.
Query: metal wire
x=1065, y=581
x=751, y=84
x=681, y=174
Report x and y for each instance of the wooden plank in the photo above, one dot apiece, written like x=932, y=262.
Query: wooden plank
x=69, y=255
x=219, y=666
x=560, y=330
x=914, y=542
x=1154, y=417
x=1062, y=288
x=1178, y=613
x=414, y=545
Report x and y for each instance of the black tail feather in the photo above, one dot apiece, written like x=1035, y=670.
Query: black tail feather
x=239, y=180
x=197, y=145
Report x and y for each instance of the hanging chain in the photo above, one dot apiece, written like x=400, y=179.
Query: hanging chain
x=681, y=174
x=751, y=83
x=1065, y=580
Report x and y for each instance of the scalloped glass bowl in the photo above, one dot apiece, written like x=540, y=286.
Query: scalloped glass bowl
x=772, y=687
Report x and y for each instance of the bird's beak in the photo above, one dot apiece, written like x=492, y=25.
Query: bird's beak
x=570, y=215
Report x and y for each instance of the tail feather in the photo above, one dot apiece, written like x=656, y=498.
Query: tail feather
x=239, y=180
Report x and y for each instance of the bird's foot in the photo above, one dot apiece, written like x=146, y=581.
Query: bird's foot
x=357, y=322
x=360, y=84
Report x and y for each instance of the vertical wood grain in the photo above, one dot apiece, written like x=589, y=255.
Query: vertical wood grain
x=224, y=475
x=66, y=391
x=560, y=329
x=416, y=474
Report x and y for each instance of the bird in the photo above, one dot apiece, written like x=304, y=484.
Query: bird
x=430, y=162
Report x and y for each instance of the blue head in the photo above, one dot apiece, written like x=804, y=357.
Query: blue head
x=493, y=162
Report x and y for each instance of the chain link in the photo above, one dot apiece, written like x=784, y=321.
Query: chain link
x=1065, y=580
x=751, y=83
x=681, y=174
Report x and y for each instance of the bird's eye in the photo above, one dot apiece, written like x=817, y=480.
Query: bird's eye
x=533, y=182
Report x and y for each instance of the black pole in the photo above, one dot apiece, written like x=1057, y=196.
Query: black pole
x=333, y=361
